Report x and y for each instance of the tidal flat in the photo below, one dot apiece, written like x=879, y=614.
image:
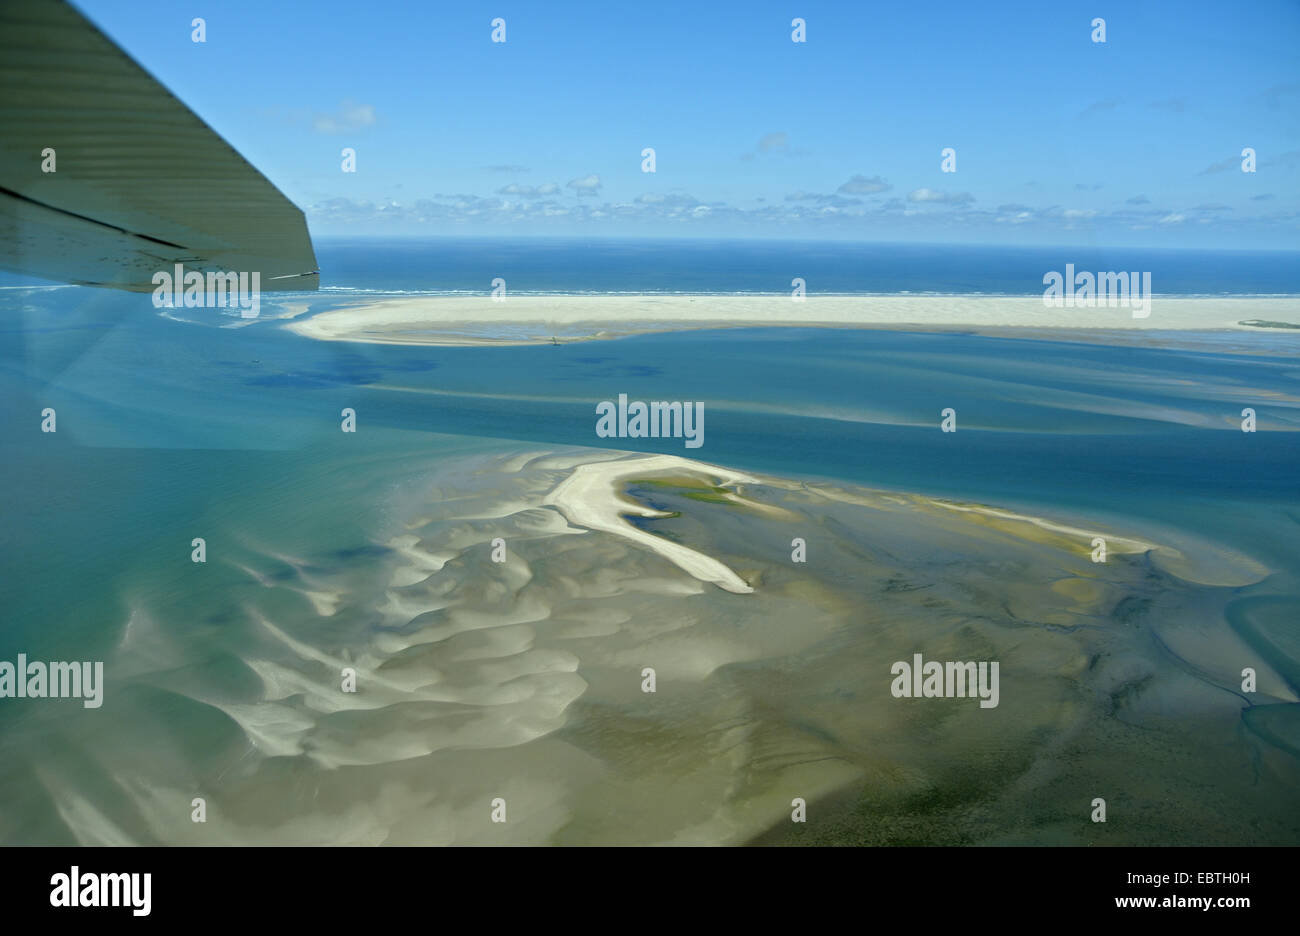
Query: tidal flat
x=525, y=678
x=498, y=579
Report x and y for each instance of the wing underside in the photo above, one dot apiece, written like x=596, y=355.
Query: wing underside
x=140, y=183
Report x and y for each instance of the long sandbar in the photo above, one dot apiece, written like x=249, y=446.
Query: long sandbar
x=533, y=319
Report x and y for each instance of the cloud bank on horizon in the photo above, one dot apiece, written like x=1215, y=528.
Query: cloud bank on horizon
x=944, y=122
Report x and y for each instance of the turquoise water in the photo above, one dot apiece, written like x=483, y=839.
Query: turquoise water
x=170, y=430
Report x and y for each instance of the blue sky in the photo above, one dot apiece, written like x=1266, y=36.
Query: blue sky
x=1059, y=140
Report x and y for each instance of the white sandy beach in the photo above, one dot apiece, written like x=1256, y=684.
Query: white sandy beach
x=591, y=497
x=478, y=320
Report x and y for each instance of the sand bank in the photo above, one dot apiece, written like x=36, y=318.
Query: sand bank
x=527, y=674
x=519, y=320
x=591, y=497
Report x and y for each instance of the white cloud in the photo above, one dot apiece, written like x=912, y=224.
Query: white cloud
x=529, y=191
x=861, y=185
x=586, y=185
x=943, y=198
x=350, y=117
x=922, y=211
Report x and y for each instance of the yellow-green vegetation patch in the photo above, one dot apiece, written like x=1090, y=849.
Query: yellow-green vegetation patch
x=709, y=497
x=693, y=487
x=677, y=481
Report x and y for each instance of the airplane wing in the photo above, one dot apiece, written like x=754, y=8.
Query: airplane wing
x=140, y=183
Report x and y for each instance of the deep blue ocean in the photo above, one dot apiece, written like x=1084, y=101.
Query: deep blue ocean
x=710, y=266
